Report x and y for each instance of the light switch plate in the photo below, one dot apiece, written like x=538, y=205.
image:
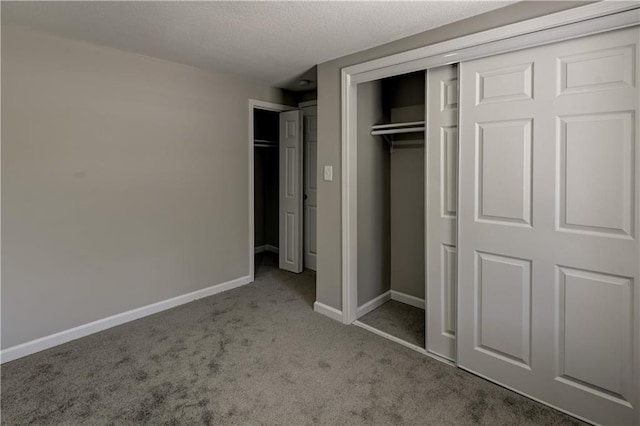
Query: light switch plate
x=328, y=173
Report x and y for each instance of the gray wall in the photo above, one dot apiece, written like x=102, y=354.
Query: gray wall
x=124, y=181
x=329, y=279
x=373, y=197
x=307, y=95
x=258, y=197
x=266, y=192
x=404, y=97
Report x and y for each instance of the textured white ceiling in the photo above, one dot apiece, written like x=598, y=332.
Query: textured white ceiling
x=272, y=42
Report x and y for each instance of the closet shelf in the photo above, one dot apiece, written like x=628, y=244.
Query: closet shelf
x=393, y=128
x=264, y=143
x=388, y=130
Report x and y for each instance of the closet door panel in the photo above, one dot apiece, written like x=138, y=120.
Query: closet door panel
x=549, y=259
x=310, y=117
x=290, y=251
x=441, y=198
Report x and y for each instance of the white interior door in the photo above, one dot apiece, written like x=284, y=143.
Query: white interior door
x=290, y=252
x=442, y=175
x=310, y=117
x=548, y=249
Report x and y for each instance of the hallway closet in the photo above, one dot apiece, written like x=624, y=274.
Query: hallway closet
x=266, y=180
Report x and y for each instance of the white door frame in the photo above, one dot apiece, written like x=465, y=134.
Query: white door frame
x=268, y=106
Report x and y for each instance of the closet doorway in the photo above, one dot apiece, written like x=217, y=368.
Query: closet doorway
x=280, y=233
x=391, y=263
x=407, y=196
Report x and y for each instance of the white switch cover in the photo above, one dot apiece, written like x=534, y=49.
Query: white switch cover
x=328, y=173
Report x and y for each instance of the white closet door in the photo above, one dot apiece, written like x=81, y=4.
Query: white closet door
x=291, y=191
x=548, y=251
x=442, y=173
x=310, y=117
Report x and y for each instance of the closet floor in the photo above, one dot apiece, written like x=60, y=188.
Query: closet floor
x=265, y=262
x=403, y=321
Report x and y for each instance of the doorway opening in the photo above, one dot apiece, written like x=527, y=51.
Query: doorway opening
x=282, y=186
x=266, y=137
x=391, y=206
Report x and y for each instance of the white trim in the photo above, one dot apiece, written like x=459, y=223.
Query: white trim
x=349, y=209
x=402, y=342
x=374, y=303
x=577, y=22
x=65, y=336
x=328, y=311
x=407, y=299
x=448, y=51
x=269, y=106
x=307, y=104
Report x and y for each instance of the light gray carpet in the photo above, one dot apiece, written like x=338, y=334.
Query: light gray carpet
x=403, y=321
x=254, y=355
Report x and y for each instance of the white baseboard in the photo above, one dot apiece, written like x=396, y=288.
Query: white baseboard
x=373, y=304
x=273, y=249
x=266, y=247
x=390, y=337
x=409, y=300
x=403, y=343
x=65, y=336
x=327, y=310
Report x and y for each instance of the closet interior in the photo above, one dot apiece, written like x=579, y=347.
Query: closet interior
x=266, y=185
x=391, y=206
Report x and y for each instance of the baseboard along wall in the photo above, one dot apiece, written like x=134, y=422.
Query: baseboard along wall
x=267, y=247
x=373, y=304
x=328, y=311
x=65, y=336
x=385, y=297
x=407, y=299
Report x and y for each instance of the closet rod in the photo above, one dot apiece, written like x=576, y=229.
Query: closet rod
x=397, y=125
x=396, y=130
x=264, y=145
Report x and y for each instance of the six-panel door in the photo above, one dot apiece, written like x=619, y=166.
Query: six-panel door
x=548, y=253
x=441, y=195
x=290, y=250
